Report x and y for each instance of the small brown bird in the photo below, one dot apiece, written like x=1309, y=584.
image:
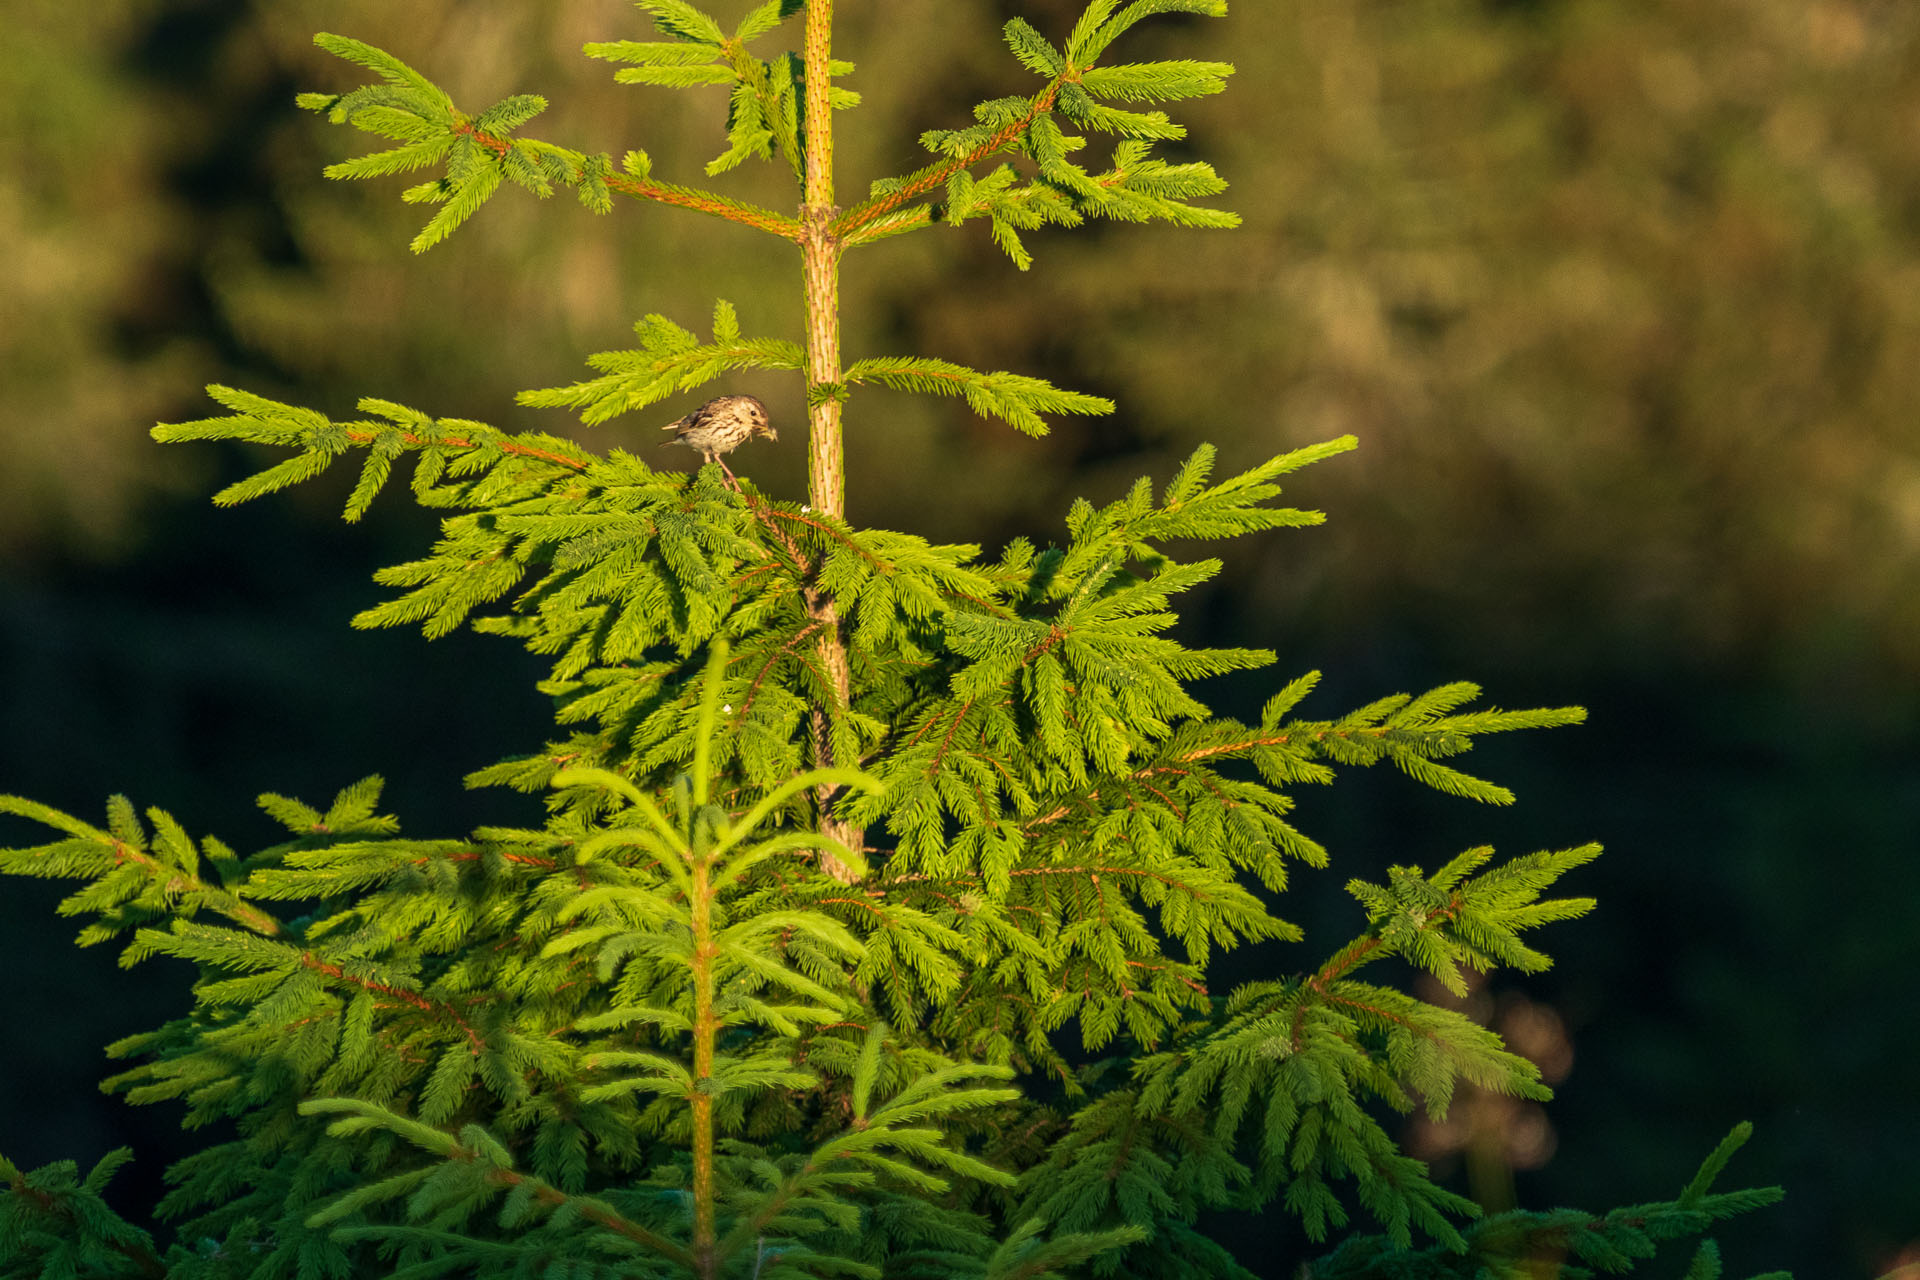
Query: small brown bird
x=720, y=426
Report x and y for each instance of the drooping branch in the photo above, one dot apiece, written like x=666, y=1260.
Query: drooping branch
x=139, y=1252
x=589, y=1208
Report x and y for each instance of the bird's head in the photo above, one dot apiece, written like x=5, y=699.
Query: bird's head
x=757, y=416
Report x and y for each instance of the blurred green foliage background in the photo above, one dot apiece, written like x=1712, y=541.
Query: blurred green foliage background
x=1621, y=297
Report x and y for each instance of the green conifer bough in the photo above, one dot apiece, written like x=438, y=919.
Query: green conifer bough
x=867, y=929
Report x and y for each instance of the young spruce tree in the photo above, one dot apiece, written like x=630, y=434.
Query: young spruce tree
x=867, y=931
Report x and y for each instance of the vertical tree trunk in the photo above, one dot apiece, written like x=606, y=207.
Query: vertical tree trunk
x=826, y=476
x=826, y=473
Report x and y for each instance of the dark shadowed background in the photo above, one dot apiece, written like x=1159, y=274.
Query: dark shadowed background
x=1622, y=298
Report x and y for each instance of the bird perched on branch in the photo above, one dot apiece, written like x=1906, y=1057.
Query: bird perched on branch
x=720, y=426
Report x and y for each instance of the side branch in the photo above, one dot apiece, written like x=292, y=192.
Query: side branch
x=707, y=202
x=666, y=192
x=212, y=896
x=917, y=185
x=362, y=436
x=412, y=999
